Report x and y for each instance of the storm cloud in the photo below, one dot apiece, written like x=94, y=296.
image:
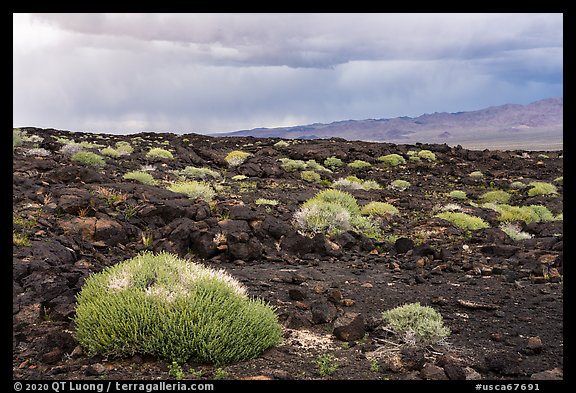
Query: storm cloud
x=220, y=72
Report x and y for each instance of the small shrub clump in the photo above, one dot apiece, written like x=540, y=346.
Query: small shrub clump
x=108, y=151
x=236, y=157
x=17, y=137
x=314, y=166
x=332, y=212
x=542, y=188
x=496, y=196
x=354, y=183
x=517, y=185
x=514, y=232
x=88, y=158
x=427, y=155
x=193, y=189
x=161, y=305
x=359, y=164
x=457, y=194
x=528, y=214
x=290, y=165
x=264, y=201
x=421, y=324
x=139, y=176
x=310, y=176
x=191, y=172
x=124, y=148
x=391, y=160
x=463, y=220
x=378, y=209
x=333, y=162
x=158, y=152
x=399, y=185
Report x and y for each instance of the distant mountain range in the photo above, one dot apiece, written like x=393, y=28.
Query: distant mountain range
x=535, y=126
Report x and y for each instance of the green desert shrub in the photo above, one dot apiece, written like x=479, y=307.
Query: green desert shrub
x=496, y=196
x=400, y=185
x=337, y=197
x=517, y=185
x=314, y=166
x=476, y=174
x=333, y=162
x=528, y=214
x=333, y=212
x=236, y=157
x=17, y=137
x=310, y=176
x=463, y=220
x=88, y=158
x=359, y=164
x=417, y=323
x=514, y=231
x=290, y=165
x=457, y=194
x=354, y=183
x=322, y=217
x=376, y=208
x=413, y=156
x=108, y=151
x=161, y=305
x=427, y=155
x=124, y=148
x=391, y=160
x=158, y=152
x=139, y=176
x=281, y=144
x=542, y=188
x=193, y=189
x=191, y=172
x=264, y=201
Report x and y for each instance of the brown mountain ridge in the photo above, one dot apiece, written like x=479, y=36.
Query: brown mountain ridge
x=535, y=126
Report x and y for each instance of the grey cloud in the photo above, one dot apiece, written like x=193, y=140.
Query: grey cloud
x=323, y=40
x=222, y=72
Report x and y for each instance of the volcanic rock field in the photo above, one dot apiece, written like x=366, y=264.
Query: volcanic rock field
x=499, y=288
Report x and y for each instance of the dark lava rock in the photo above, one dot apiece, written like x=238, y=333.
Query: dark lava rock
x=413, y=358
x=403, y=245
x=500, y=250
x=503, y=362
x=349, y=327
x=297, y=294
x=322, y=311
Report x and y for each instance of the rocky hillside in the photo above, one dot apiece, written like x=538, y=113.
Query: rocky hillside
x=535, y=126
x=498, y=285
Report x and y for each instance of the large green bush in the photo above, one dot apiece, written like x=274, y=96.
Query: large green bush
x=161, y=305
